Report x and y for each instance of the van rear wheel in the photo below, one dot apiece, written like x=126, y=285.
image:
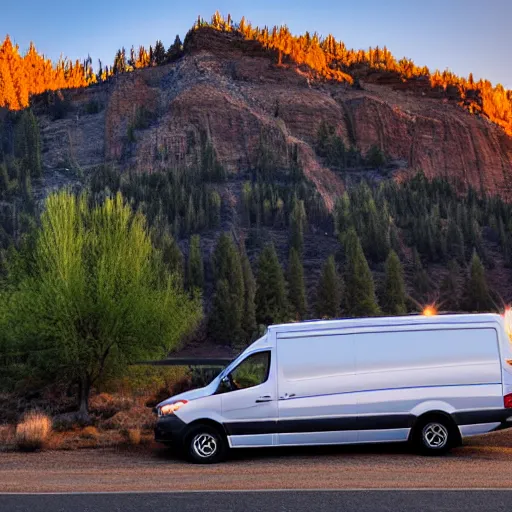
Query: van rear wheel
x=434, y=435
x=205, y=445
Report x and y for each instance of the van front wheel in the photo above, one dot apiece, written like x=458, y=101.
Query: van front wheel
x=434, y=436
x=206, y=445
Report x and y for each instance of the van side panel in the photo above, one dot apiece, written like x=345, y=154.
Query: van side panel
x=358, y=386
x=315, y=388
x=414, y=372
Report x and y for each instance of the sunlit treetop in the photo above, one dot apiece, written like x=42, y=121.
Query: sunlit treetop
x=328, y=58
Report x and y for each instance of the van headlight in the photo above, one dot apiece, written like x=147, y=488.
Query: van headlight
x=168, y=409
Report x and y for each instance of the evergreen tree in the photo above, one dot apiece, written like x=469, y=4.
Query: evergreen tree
x=296, y=287
x=227, y=268
x=4, y=180
x=175, y=51
x=190, y=218
x=222, y=323
x=214, y=214
x=172, y=257
x=28, y=145
x=375, y=157
x=297, y=223
x=477, y=291
x=505, y=242
x=455, y=241
x=328, y=297
x=249, y=316
x=159, y=53
x=120, y=62
x=195, y=267
x=359, y=286
x=421, y=282
x=342, y=214
x=394, y=296
x=246, y=204
x=271, y=300
x=449, y=289
x=323, y=138
x=376, y=232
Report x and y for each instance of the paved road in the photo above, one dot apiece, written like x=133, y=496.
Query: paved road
x=282, y=501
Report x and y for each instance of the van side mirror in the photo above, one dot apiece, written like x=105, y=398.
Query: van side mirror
x=225, y=385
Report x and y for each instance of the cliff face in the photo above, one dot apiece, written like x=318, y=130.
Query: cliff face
x=228, y=90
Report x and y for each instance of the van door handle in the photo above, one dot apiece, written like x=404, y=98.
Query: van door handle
x=265, y=398
x=286, y=396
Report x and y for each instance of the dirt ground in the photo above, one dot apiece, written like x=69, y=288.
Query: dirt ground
x=484, y=462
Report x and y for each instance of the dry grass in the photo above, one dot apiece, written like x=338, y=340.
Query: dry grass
x=33, y=431
x=137, y=417
x=105, y=405
x=6, y=437
x=90, y=433
x=133, y=436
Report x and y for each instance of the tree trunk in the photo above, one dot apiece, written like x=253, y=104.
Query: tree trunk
x=84, y=388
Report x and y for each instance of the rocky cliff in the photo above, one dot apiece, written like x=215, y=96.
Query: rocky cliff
x=227, y=90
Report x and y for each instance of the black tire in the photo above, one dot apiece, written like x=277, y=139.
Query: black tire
x=205, y=444
x=434, y=435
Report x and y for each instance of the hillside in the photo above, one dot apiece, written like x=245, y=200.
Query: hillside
x=231, y=136
x=230, y=90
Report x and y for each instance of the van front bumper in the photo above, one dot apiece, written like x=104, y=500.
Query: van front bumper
x=169, y=430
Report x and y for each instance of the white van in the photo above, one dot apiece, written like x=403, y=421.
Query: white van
x=428, y=380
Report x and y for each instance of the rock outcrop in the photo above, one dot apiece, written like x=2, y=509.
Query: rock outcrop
x=228, y=90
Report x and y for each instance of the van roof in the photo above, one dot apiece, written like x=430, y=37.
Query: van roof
x=380, y=321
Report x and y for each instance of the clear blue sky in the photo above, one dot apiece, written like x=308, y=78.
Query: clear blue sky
x=462, y=35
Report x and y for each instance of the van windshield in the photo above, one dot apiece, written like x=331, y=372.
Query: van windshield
x=232, y=363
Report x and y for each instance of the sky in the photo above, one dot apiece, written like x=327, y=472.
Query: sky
x=461, y=35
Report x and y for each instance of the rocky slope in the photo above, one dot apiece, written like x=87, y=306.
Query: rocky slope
x=229, y=90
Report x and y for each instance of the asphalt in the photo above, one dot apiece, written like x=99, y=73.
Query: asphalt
x=462, y=500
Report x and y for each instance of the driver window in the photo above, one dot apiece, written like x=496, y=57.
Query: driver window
x=251, y=372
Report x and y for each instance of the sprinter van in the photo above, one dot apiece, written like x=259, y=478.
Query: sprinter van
x=430, y=381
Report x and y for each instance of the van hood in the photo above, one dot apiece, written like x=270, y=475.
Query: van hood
x=193, y=394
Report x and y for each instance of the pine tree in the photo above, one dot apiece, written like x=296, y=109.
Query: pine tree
x=477, y=291
x=214, y=213
x=271, y=300
x=227, y=268
x=173, y=257
x=421, y=282
x=195, y=268
x=120, y=62
x=297, y=223
x=505, y=242
x=190, y=218
x=175, y=51
x=222, y=322
x=296, y=286
x=342, y=214
x=159, y=53
x=328, y=297
x=449, y=289
x=375, y=157
x=455, y=241
x=359, y=286
x=249, y=316
x=4, y=180
x=246, y=204
x=28, y=143
x=394, y=296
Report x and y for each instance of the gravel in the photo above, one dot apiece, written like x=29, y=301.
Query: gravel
x=483, y=462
